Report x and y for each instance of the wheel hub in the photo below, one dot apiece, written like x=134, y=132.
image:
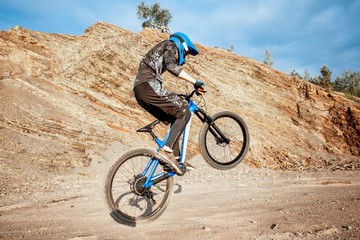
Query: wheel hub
x=222, y=142
x=136, y=185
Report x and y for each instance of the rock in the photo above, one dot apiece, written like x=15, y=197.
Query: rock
x=206, y=228
x=347, y=227
x=274, y=226
x=326, y=232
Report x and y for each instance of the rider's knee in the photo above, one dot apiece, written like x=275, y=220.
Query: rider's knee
x=187, y=115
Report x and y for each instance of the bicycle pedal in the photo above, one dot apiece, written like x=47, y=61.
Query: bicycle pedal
x=167, y=168
x=189, y=167
x=183, y=167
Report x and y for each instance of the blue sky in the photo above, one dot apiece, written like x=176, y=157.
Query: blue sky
x=300, y=35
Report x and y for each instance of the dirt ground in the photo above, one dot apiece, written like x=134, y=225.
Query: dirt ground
x=242, y=203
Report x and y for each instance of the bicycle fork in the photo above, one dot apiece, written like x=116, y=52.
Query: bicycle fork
x=219, y=136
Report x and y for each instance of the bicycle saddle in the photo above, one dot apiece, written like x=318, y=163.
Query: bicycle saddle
x=149, y=127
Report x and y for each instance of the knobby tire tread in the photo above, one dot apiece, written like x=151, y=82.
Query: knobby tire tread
x=113, y=212
x=202, y=140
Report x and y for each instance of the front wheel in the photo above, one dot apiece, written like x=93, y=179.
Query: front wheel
x=224, y=142
x=128, y=201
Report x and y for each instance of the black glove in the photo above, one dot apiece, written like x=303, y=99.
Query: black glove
x=198, y=85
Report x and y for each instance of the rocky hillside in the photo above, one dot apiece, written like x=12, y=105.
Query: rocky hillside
x=63, y=95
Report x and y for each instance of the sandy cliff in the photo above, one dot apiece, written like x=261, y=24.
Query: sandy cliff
x=61, y=95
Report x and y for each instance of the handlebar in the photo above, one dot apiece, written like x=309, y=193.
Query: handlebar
x=188, y=97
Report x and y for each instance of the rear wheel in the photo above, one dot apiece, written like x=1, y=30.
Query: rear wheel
x=128, y=201
x=225, y=142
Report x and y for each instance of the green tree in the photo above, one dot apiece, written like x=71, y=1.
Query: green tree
x=154, y=16
x=231, y=49
x=296, y=74
x=315, y=80
x=325, y=79
x=348, y=82
x=341, y=83
x=307, y=76
x=267, y=60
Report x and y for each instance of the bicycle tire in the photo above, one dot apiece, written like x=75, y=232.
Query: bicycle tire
x=125, y=205
x=221, y=155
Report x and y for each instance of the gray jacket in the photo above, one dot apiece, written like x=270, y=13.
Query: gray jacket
x=160, y=58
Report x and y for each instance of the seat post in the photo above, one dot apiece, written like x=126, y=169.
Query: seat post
x=153, y=134
x=149, y=128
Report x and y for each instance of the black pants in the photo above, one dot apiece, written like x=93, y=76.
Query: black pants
x=165, y=106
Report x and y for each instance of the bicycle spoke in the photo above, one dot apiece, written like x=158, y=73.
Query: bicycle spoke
x=127, y=196
x=220, y=154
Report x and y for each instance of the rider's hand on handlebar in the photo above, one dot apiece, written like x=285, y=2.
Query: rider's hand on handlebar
x=199, y=87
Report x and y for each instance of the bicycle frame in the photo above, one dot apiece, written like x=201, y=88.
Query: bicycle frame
x=153, y=163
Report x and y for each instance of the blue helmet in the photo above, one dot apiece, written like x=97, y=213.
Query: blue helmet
x=185, y=46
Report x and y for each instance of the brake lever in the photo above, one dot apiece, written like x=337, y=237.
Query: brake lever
x=198, y=93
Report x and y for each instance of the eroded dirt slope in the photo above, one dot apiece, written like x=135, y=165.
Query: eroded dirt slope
x=63, y=94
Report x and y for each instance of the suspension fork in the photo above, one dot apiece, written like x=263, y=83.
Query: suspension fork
x=215, y=131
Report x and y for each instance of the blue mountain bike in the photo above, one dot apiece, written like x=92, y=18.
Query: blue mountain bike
x=139, y=186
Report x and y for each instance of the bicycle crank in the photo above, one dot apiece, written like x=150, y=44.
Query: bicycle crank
x=150, y=196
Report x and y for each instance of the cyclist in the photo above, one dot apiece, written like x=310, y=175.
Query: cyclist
x=161, y=103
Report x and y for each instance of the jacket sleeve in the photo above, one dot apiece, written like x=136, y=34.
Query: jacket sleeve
x=170, y=61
